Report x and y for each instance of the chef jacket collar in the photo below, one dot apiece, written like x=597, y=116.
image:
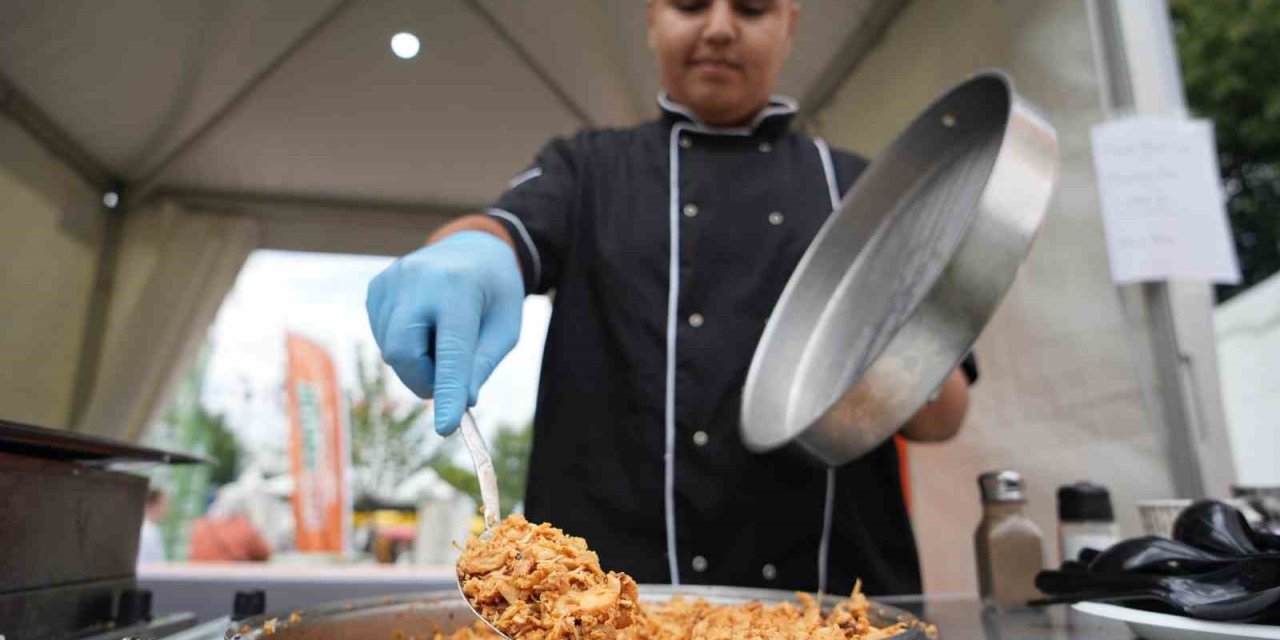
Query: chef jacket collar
x=771, y=121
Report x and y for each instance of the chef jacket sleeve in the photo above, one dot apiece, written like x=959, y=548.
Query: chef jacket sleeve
x=536, y=210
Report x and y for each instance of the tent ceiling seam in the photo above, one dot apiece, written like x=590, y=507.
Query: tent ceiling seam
x=856, y=46
x=518, y=49
x=31, y=118
x=148, y=183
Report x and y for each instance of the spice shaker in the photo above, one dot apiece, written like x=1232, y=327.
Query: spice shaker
x=1008, y=545
x=1085, y=519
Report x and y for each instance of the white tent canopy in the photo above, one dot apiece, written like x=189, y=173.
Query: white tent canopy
x=292, y=125
x=301, y=102
x=1248, y=333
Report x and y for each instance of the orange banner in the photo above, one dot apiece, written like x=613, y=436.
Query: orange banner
x=317, y=448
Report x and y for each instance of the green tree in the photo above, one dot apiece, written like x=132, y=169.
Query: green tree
x=221, y=446
x=187, y=425
x=388, y=441
x=510, y=451
x=1230, y=54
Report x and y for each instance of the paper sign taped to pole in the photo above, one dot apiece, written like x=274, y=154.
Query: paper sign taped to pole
x=1162, y=201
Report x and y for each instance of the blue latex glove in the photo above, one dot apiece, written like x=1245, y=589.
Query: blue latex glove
x=464, y=290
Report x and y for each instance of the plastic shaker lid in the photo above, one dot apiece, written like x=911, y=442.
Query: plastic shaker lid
x=1001, y=486
x=1084, y=502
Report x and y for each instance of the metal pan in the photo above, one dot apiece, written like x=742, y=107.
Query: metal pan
x=421, y=615
x=903, y=277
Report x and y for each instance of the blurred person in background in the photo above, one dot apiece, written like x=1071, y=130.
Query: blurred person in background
x=667, y=245
x=226, y=533
x=151, y=540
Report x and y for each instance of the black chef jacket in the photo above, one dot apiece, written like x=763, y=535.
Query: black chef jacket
x=667, y=245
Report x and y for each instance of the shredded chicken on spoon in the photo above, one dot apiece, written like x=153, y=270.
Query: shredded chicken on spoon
x=533, y=582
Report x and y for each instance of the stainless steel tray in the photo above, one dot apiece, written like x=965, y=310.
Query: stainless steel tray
x=421, y=614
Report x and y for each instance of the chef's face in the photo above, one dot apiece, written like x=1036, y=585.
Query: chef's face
x=721, y=58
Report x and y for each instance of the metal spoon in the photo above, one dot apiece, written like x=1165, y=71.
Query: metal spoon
x=484, y=472
x=488, y=495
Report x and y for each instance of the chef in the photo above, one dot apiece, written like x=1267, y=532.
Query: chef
x=666, y=245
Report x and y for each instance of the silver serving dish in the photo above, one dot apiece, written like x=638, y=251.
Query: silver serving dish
x=903, y=277
x=421, y=614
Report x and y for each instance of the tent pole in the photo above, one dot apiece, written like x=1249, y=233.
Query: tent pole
x=92, y=342
x=1138, y=64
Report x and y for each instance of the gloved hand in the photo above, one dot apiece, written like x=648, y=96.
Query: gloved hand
x=445, y=315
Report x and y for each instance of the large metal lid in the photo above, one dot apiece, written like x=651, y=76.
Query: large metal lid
x=902, y=278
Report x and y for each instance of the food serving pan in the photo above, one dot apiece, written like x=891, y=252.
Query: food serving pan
x=897, y=285
x=419, y=615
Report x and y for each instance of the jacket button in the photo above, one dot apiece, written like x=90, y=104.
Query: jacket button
x=769, y=572
x=699, y=564
x=776, y=218
x=685, y=142
x=690, y=210
x=765, y=147
x=700, y=438
x=696, y=320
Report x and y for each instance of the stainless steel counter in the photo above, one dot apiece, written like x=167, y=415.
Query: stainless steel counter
x=962, y=617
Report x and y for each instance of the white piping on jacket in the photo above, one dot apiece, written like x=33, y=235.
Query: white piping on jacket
x=524, y=176
x=524, y=237
x=828, y=169
x=778, y=105
x=824, y=545
x=673, y=301
x=828, y=504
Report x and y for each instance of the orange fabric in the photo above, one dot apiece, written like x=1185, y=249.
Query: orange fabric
x=317, y=447
x=230, y=539
x=904, y=470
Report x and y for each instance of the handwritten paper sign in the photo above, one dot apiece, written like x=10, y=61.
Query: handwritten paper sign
x=1162, y=202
